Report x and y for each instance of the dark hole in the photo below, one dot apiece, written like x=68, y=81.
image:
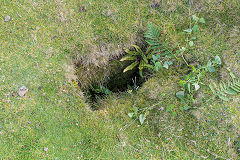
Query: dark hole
x=116, y=83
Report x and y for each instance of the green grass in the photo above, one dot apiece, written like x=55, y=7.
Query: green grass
x=43, y=37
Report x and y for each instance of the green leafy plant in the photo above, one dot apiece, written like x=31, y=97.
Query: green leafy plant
x=191, y=82
x=157, y=41
x=159, y=64
x=141, y=116
x=160, y=50
x=212, y=64
x=134, y=113
x=189, y=85
x=192, y=31
x=139, y=58
x=157, y=55
x=191, y=35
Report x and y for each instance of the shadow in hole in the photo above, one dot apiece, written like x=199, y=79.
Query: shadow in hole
x=116, y=83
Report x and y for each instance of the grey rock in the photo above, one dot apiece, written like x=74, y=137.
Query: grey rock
x=103, y=49
x=22, y=91
x=82, y=9
x=198, y=113
x=109, y=13
x=155, y=5
x=7, y=18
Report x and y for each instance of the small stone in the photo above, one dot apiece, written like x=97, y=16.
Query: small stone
x=155, y=5
x=29, y=122
x=160, y=108
x=7, y=18
x=45, y=149
x=40, y=87
x=14, y=94
x=22, y=91
x=82, y=9
x=109, y=13
x=197, y=114
x=103, y=49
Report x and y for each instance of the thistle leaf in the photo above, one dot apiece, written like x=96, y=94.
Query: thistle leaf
x=195, y=18
x=196, y=86
x=180, y=94
x=195, y=28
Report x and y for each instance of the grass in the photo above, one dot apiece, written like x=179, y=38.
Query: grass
x=53, y=120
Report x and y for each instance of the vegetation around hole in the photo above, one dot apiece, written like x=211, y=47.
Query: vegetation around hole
x=60, y=50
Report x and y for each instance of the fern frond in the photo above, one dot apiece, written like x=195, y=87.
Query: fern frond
x=152, y=33
x=225, y=89
x=154, y=37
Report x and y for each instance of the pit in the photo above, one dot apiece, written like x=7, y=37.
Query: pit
x=98, y=82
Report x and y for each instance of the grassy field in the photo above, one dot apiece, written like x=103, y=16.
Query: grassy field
x=43, y=39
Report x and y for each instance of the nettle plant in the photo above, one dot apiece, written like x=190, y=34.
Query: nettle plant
x=157, y=55
x=141, y=114
x=192, y=31
x=192, y=81
x=136, y=113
